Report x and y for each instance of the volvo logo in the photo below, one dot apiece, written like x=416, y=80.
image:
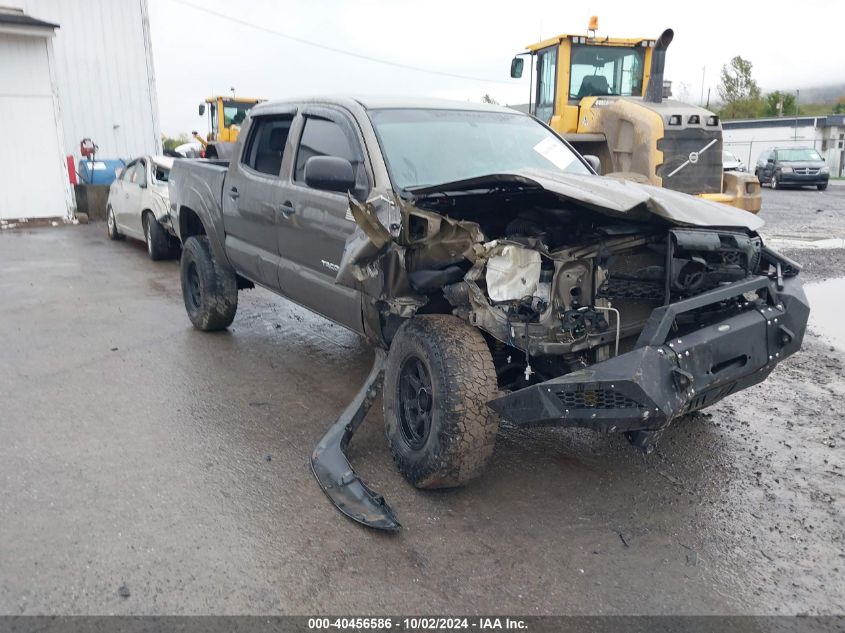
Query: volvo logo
x=692, y=159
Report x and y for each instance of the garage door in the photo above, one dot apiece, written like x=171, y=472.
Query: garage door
x=33, y=175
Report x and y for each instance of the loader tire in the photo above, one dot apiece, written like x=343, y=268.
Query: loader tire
x=438, y=380
x=209, y=289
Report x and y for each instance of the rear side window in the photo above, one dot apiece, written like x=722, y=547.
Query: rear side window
x=139, y=176
x=266, y=144
x=322, y=137
x=128, y=172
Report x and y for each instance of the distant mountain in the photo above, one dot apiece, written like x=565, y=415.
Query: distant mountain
x=830, y=93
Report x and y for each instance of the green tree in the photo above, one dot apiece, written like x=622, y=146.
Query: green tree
x=739, y=92
x=736, y=82
x=780, y=104
x=170, y=143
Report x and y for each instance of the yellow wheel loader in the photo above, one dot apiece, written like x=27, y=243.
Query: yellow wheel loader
x=606, y=97
x=225, y=116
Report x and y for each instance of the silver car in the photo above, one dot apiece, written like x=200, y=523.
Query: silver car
x=731, y=162
x=139, y=206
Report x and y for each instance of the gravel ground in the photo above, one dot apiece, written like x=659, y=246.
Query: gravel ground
x=148, y=468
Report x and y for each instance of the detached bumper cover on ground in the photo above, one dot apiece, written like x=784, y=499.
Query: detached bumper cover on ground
x=666, y=376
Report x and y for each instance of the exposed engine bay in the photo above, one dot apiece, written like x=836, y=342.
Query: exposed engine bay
x=555, y=284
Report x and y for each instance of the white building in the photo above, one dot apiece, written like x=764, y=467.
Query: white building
x=750, y=138
x=33, y=174
x=71, y=69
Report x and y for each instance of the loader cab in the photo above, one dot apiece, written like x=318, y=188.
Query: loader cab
x=226, y=116
x=570, y=68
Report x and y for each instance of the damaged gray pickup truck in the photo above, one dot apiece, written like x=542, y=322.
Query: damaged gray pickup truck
x=496, y=274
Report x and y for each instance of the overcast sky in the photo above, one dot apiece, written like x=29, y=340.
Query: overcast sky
x=196, y=54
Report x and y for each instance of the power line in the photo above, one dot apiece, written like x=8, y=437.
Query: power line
x=332, y=49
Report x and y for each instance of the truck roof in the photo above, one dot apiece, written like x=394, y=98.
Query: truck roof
x=377, y=102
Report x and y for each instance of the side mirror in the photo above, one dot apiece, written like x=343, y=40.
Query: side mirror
x=202, y=109
x=770, y=161
x=516, y=67
x=329, y=173
x=594, y=162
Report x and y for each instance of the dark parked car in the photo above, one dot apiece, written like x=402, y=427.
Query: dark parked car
x=793, y=167
x=494, y=272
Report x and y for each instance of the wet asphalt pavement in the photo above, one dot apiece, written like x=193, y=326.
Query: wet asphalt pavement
x=139, y=452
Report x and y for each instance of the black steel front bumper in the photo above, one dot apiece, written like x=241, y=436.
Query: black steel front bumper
x=667, y=375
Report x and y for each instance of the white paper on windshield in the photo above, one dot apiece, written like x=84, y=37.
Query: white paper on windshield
x=554, y=152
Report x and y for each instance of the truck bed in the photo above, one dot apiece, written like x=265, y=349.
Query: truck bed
x=197, y=184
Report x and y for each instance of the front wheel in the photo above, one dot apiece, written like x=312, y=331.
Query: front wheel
x=209, y=289
x=438, y=380
x=822, y=186
x=773, y=183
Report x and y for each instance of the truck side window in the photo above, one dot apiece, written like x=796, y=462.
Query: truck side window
x=322, y=137
x=268, y=136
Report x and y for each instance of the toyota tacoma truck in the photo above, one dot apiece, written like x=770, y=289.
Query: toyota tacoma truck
x=496, y=274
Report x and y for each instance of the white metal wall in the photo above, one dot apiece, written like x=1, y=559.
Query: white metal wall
x=33, y=172
x=105, y=74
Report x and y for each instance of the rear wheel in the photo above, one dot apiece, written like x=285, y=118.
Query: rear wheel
x=209, y=289
x=111, y=223
x=159, y=243
x=438, y=380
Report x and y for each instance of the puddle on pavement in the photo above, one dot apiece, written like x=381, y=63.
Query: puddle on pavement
x=827, y=309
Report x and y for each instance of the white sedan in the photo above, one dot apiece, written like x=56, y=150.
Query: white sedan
x=139, y=206
x=731, y=162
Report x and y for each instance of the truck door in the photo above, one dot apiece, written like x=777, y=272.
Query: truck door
x=251, y=196
x=316, y=224
x=546, y=82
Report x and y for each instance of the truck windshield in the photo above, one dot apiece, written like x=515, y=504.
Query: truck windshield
x=424, y=147
x=605, y=70
x=798, y=154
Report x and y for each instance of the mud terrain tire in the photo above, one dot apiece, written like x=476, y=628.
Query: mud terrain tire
x=438, y=379
x=210, y=289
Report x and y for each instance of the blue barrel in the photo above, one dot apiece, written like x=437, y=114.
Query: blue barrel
x=99, y=172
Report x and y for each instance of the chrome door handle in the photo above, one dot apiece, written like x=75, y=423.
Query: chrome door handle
x=287, y=208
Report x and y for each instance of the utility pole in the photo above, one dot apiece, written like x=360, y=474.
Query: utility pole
x=701, y=99
x=797, y=110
